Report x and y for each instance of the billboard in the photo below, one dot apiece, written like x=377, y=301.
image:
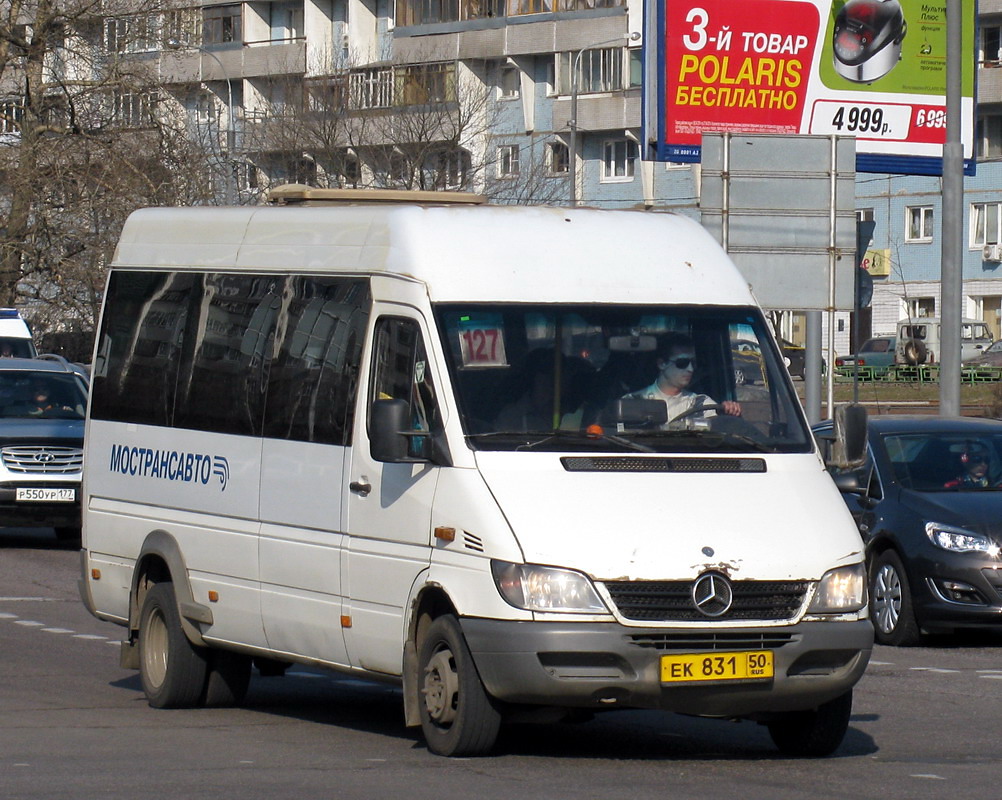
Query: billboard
x=872, y=69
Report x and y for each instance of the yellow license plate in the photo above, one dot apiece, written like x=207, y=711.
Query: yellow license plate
x=698, y=667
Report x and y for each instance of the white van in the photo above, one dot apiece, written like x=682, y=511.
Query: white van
x=410, y=442
x=15, y=335
x=919, y=340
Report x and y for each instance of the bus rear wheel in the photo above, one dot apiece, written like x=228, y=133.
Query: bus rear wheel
x=172, y=670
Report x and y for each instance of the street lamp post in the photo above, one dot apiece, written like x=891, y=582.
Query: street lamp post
x=572, y=123
x=229, y=161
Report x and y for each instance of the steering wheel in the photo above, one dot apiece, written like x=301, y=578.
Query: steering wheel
x=697, y=409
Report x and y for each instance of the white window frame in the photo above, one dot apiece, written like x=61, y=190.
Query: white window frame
x=508, y=166
x=986, y=224
x=919, y=222
x=990, y=45
x=551, y=161
x=506, y=74
x=988, y=137
x=600, y=70
x=619, y=160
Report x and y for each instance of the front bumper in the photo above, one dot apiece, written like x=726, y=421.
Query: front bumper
x=938, y=609
x=608, y=665
x=39, y=514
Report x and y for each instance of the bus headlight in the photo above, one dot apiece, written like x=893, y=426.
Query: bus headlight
x=840, y=590
x=538, y=588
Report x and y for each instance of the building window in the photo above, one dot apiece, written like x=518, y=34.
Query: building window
x=618, y=159
x=11, y=114
x=864, y=215
x=132, y=109
x=508, y=161
x=557, y=158
x=182, y=25
x=988, y=137
x=509, y=83
x=991, y=45
x=286, y=21
x=921, y=307
x=918, y=224
x=419, y=84
x=985, y=223
x=221, y=24
x=372, y=88
x=599, y=70
x=448, y=169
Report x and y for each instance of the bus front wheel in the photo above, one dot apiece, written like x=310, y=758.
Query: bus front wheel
x=458, y=717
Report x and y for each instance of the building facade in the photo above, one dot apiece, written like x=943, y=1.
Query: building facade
x=480, y=94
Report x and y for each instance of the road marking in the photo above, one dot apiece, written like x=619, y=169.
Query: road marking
x=56, y=630
x=882, y=663
x=88, y=636
x=929, y=776
x=992, y=677
x=933, y=669
x=27, y=599
x=7, y=615
x=29, y=623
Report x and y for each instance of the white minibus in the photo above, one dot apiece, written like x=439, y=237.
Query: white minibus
x=496, y=455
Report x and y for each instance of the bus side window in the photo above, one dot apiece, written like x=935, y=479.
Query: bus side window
x=400, y=372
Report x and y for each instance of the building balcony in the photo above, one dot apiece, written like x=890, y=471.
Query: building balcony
x=990, y=84
x=600, y=112
x=260, y=60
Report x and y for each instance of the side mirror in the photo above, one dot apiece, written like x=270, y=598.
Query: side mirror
x=390, y=431
x=849, y=447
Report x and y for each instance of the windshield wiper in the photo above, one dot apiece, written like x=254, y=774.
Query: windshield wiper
x=711, y=438
x=549, y=436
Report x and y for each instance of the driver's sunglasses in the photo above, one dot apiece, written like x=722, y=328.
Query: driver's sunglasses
x=683, y=363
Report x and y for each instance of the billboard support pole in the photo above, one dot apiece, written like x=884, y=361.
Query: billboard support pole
x=952, y=275
x=812, y=366
x=832, y=258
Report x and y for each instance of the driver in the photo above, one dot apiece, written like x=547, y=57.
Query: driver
x=675, y=370
x=974, y=462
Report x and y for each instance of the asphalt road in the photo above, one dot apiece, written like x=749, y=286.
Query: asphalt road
x=926, y=724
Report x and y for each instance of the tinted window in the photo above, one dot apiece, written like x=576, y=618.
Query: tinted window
x=312, y=382
x=246, y=354
x=222, y=378
x=139, y=346
x=400, y=372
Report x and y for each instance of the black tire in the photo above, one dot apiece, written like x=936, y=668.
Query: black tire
x=812, y=734
x=171, y=669
x=915, y=352
x=891, y=607
x=458, y=717
x=227, y=679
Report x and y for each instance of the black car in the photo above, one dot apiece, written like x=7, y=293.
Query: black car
x=928, y=502
x=42, y=404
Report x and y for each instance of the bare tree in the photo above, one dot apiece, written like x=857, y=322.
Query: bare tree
x=423, y=126
x=85, y=141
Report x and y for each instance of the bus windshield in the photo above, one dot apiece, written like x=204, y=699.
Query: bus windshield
x=620, y=378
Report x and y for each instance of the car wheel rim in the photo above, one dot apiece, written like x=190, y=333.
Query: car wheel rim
x=441, y=688
x=886, y=599
x=155, y=649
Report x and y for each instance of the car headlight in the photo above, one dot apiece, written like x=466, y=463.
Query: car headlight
x=840, y=590
x=958, y=540
x=537, y=588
